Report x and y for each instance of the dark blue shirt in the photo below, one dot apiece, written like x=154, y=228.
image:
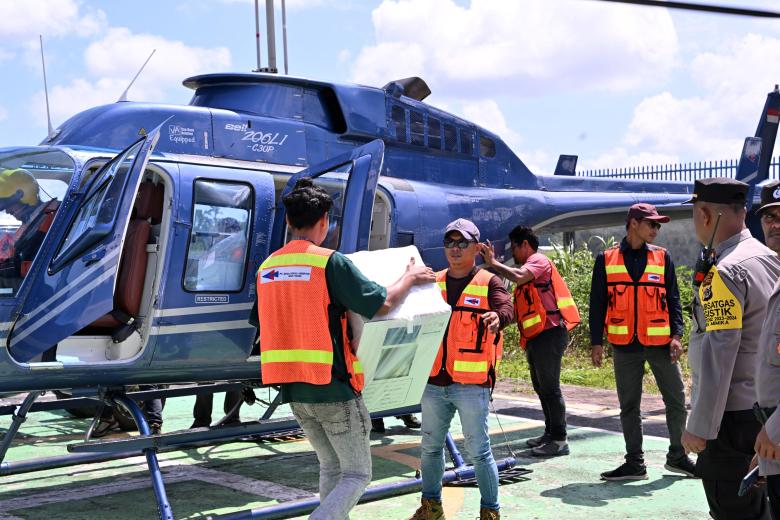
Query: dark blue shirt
x=636, y=261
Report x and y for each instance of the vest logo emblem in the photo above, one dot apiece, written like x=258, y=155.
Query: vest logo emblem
x=286, y=274
x=472, y=301
x=654, y=277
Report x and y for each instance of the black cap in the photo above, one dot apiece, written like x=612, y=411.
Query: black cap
x=719, y=190
x=770, y=196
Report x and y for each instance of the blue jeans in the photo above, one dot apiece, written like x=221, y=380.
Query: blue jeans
x=338, y=432
x=439, y=404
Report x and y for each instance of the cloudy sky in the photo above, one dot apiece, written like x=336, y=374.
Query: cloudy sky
x=616, y=85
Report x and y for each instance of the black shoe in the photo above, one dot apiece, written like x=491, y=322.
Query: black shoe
x=683, y=466
x=104, y=427
x=551, y=449
x=155, y=429
x=378, y=425
x=539, y=441
x=410, y=421
x=197, y=424
x=627, y=471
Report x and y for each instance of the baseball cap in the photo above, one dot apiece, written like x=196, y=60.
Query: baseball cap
x=465, y=227
x=643, y=210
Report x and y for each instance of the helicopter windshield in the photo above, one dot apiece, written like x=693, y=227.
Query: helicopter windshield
x=33, y=182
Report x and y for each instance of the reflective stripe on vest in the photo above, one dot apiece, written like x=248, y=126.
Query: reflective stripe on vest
x=464, y=360
x=296, y=356
x=637, y=310
x=295, y=340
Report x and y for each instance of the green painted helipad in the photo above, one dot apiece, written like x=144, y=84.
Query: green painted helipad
x=242, y=475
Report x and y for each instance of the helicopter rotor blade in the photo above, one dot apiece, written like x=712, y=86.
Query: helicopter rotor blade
x=700, y=7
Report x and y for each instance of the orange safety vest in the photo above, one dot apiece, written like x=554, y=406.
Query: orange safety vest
x=637, y=309
x=469, y=351
x=530, y=312
x=293, y=301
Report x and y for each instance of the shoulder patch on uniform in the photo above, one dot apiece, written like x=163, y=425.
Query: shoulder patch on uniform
x=737, y=272
x=722, y=310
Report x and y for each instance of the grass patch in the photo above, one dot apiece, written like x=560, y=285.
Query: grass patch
x=577, y=369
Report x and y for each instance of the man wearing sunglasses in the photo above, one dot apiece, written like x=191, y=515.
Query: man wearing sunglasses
x=767, y=443
x=464, y=371
x=634, y=296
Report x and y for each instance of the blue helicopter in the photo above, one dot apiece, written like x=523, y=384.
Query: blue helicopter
x=151, y=220
x=145, y=274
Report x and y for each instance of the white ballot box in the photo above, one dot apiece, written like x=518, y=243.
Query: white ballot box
x=397, y=350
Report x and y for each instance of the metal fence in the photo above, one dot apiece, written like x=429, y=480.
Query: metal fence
x=682, y=172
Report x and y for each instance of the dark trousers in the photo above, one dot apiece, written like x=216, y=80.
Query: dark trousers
x=773, y=490
x=722, y=465
x=629, y=371
x=153, y=407
x=544, y=354
x=204, y=404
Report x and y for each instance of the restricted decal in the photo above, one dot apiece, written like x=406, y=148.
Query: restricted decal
x=286, y=274
x=213, y=298
x=722, y=310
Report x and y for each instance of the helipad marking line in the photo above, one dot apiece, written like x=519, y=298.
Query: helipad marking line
x=171, y=474
x=452, y=497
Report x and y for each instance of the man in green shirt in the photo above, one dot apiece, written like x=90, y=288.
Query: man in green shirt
x=294, y=300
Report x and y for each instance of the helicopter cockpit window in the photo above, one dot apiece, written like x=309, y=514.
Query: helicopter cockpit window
x=450, y=138
x=33, y=182
x=466, y=141
x=398, y=115
x=487, y=147
x=434, y=133
x=216, y=256
x=417, y=128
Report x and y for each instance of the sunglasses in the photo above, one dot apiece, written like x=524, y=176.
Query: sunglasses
x=653, y=224
x=449, y=243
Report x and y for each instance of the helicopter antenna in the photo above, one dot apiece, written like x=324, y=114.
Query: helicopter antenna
x=46, y=92
x=271, y=33
x=284, y=35
x=123, y=97
x=257, y=34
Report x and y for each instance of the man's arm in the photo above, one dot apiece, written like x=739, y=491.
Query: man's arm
x=598, y=301
x=721, y=342
x=414, y=275
x=676, y=323
x=502, y=313
x=517, y=275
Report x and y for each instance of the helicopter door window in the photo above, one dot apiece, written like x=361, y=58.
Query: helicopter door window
x=216, y=256
x=417, y=128
x=434, y=133
x=466, y=141
x=97, y=215
x=398, y=115
x=450, y=138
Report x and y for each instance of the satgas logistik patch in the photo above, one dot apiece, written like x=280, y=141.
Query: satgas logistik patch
x=722, y=309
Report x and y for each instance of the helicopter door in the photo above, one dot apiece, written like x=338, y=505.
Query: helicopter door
x=361, y=168
x=78, y=286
